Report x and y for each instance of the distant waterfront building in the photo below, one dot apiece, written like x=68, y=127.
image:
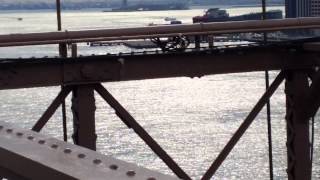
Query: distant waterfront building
x=303, y=8
x=315, y=8
x=298, y=8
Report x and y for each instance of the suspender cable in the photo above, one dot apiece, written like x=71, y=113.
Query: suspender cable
x=62, y=54
x=312, y=142
x=268, y=102
x=269, y=129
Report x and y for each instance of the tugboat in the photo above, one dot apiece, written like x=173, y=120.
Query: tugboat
x=219, y=15
x=170, y=18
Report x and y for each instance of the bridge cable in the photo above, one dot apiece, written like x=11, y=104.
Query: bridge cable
x=64, y=54
x=269, y=129
x=312, y=143
x=263, y=3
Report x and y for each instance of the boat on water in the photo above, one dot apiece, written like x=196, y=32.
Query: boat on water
x=171, y=23
x=170, y=18
x=220, y=15
x=151, y=7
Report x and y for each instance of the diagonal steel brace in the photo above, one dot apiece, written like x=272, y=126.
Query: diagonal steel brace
x=244, y=126
x=125, y=116
x=52, y=109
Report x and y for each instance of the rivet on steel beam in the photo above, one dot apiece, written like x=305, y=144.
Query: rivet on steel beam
x=81, y=156
x=54, y=146
x=144, y=52
x=31, y=138
x=41, y=141
x=121, y=60
x=9, y=130
x=93, y=55
x=131, y=173
x=120, y=54
x=67, y=151
x=113, y=167
x=97, y=161
x=132, y=53
x=19, y=134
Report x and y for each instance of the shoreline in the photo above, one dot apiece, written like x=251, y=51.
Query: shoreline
x=195, y=6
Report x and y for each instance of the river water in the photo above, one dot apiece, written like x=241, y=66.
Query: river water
x=191, y=118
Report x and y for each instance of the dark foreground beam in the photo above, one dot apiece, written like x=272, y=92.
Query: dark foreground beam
x=57, y=71
x=28, y=155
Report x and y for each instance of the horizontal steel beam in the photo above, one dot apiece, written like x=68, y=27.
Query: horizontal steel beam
x=29, y=155
x=158, y=31
x=55, y=71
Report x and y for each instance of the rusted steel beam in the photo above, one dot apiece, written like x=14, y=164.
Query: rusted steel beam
x=244, y=126
x=30, y=155
x=160, y=31
x=298, y=142
x=56, y=71
x=51, y=109
x=126, y=117
x=83, y=108
x=312, y=46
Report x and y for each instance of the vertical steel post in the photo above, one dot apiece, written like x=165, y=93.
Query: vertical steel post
x=210, y=41
x=264, y=11
x=197, y=40
x=58, y=5
x=298, y=145
x=83, y=108
x=74, y=50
